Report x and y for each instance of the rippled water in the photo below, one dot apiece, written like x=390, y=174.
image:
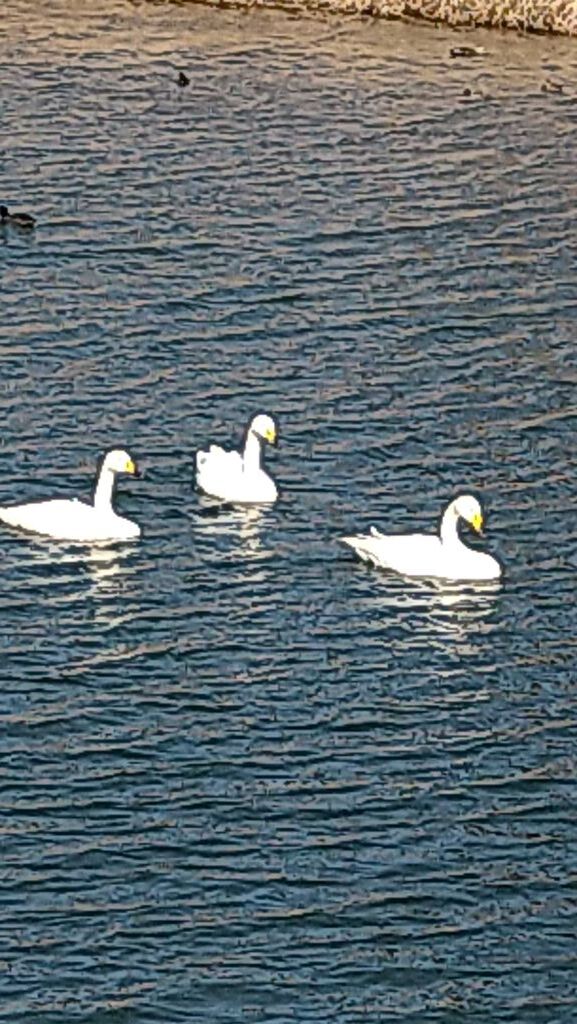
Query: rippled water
x=244, y=778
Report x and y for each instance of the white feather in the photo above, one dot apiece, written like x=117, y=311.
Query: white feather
x=419, y=554
x=235, y=477
x=74, y=520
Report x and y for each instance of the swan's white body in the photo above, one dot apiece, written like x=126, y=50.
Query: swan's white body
x=74, y=520
x=420, y=554
x=235, y=477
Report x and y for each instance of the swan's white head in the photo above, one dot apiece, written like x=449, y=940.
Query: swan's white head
x=119, y=461
x=264, y=427
x=468, y=508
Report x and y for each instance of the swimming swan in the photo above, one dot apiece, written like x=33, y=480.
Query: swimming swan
x=420, y=554
x=238, y=478
x=71, y=519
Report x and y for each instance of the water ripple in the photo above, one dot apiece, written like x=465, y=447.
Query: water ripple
x=242, y=775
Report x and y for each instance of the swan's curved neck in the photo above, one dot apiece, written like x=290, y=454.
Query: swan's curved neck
x=104, y=490
x=449, y=533
x=252, y=453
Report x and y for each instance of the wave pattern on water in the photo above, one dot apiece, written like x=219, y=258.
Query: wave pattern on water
x=243, y=777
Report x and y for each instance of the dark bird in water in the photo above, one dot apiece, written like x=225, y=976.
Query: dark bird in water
x=467, y=51
x=471, y=94
x=550, y=86
x=19, y=220
x=183, y=79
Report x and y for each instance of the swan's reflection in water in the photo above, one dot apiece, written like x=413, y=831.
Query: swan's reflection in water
x=94, y=575
x=437, y=613
x=108, y=567
x=237, y=523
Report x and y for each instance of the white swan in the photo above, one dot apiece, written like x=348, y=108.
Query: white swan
x=420, y=554
x=238, y=478
x=74, y=520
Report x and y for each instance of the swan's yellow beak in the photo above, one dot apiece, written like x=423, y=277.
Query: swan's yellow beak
x=477, y=522
x=130, y=467
x=270, y=435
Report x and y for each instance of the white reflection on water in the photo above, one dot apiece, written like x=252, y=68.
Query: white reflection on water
x=237, y=523
x=107, y=566
x=463, y=613
x=438, y=613
x=63, y=571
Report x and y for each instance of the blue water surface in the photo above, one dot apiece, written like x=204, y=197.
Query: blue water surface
x=244, y=778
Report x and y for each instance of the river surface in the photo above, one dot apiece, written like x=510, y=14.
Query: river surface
x=244, y=778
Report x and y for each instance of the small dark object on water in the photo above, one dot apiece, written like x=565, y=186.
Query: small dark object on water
x=467, y=51
x=210, y=511
x=470, y=95
x=19, y=220
x=550, y=86
x=183, y=79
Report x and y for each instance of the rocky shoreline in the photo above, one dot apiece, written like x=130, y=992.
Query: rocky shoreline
x=557, y=16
